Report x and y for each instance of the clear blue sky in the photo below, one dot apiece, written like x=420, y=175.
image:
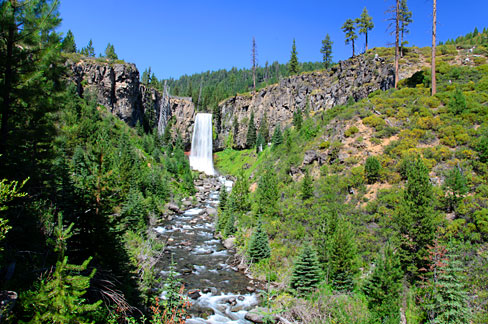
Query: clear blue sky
x=185, y=37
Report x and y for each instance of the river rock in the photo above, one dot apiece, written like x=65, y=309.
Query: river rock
x=229, y=243
x=187, y=203
x=211, y=211
x=173, y=207
x=232, y=301
x=254, y=317
x=250, y=289
x=241, y=298
x=194, y=294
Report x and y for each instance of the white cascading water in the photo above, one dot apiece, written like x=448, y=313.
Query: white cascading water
x=201, y=158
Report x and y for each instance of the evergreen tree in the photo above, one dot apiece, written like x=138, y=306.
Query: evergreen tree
x=372, y=169
x=277, y=136
x=383, y=287
x=306, y=272
x=259, y=244
x=251, y=132
x=230, y=227
x=415, y=218
x=88, y=50
x=110, y=52
x=365, y=24
x=326, y=51
x=482, y=149
x=443, y=295
x=146, y=76
x=405, y=20
x=224, y=196
x=457, y=103
x=349, y=29
x=68, y=45
x=293, y=63
x=307, y=186
x=260, y=144
x=239, y=197
x=297, y=119
x=264, y=128
x=267, y=195
x=342, y=265
x=455, y=185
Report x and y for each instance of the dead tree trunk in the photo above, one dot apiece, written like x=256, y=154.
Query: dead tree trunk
x=164, y=106
x=434, y=32
x=254, y=63
x=397, y=37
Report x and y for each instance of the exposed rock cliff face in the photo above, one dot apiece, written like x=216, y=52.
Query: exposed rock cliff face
x=356, y=78
x=117, y=86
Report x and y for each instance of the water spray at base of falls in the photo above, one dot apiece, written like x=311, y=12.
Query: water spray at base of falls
x=201, y=155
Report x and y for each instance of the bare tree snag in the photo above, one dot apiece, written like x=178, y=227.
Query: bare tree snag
x=397, y=40
x=434, y=32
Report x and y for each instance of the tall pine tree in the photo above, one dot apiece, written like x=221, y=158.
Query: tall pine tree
x=251, y=132
x=326, y=51
x=293, y=63
x=349, y=28
x=365, y=24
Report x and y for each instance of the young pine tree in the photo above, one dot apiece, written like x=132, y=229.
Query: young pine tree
x=251, y=132
x=372, y=169
x=415, y=218
x=342, y=264
x=455, y=185
x=306, y=272
x=68, y=45
x=307, y=186
x=277, y=139
x=293, y=63
x=383, y=287
x=298, y=119
x=230, y=227
x=457, y=103
x=259, y=244
x=267, y=194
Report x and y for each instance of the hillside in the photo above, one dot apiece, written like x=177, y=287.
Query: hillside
x=323, y=171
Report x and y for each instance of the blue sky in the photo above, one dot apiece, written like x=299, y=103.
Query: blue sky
x=185, y=37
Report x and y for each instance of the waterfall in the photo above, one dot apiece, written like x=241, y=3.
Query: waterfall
x=201, y=158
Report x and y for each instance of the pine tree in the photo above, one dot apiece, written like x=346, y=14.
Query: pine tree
x=443, y=295
x=342, y=265
x=405, y=20
x=264, y=128
x=239, y=197
x=306, y=272
x=251, y=132
x=482, y=149
x=365, y=24
x=293, y=63
x=307, y=186
x=415, y=218
x=110, y=52
x=457, y=103
x=372, y=169
x=260, y=144
x=326, y=51
x=68, y=45
x=349, y=29
x=455, y=185
x=267, y=194
x=383, y=287
x=224, y=196
x=230, y=227
x=259, y=245
x=88, y=50
x=146, y=76
x=297, y=119
x=277, y=139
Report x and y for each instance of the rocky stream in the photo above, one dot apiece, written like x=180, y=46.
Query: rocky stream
x=218, y=289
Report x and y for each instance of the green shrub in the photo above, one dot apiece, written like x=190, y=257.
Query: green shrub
x=372, y=169
x=351, y=131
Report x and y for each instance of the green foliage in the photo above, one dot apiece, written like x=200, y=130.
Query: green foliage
x=110, y=52
x=415, y=218
x=443, y=296
x=457, y=104
x=293, y=66
x=455, y=184
x=259, y=244
x=230, y=227
x=351, y=131
x=349, y=29
x=365, y=24
x=278, y=137
x=251, y=132
x=68, y=45
x=297, y=119
x=306, y=271
x=239, y=197
x=88, y=50
x=383, y=287
x=372, y=169
x=482, y=149
x=267, y=195
x=326, y=51
x=307, y=187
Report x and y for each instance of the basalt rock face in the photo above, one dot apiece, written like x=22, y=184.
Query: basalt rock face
x=356, y=78
x=117, y=87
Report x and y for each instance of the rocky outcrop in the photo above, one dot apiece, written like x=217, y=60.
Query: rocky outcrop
x=117, y=87
x=355, y=78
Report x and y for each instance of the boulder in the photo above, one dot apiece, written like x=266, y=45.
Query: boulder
x=310, y=157
x=194, y=293
x=173, y=207
x=229, y=243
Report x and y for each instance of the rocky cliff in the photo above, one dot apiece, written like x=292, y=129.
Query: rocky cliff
x=117, y=86
x=356, y=78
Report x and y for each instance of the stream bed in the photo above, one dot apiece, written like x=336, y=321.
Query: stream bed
x=219, y=292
